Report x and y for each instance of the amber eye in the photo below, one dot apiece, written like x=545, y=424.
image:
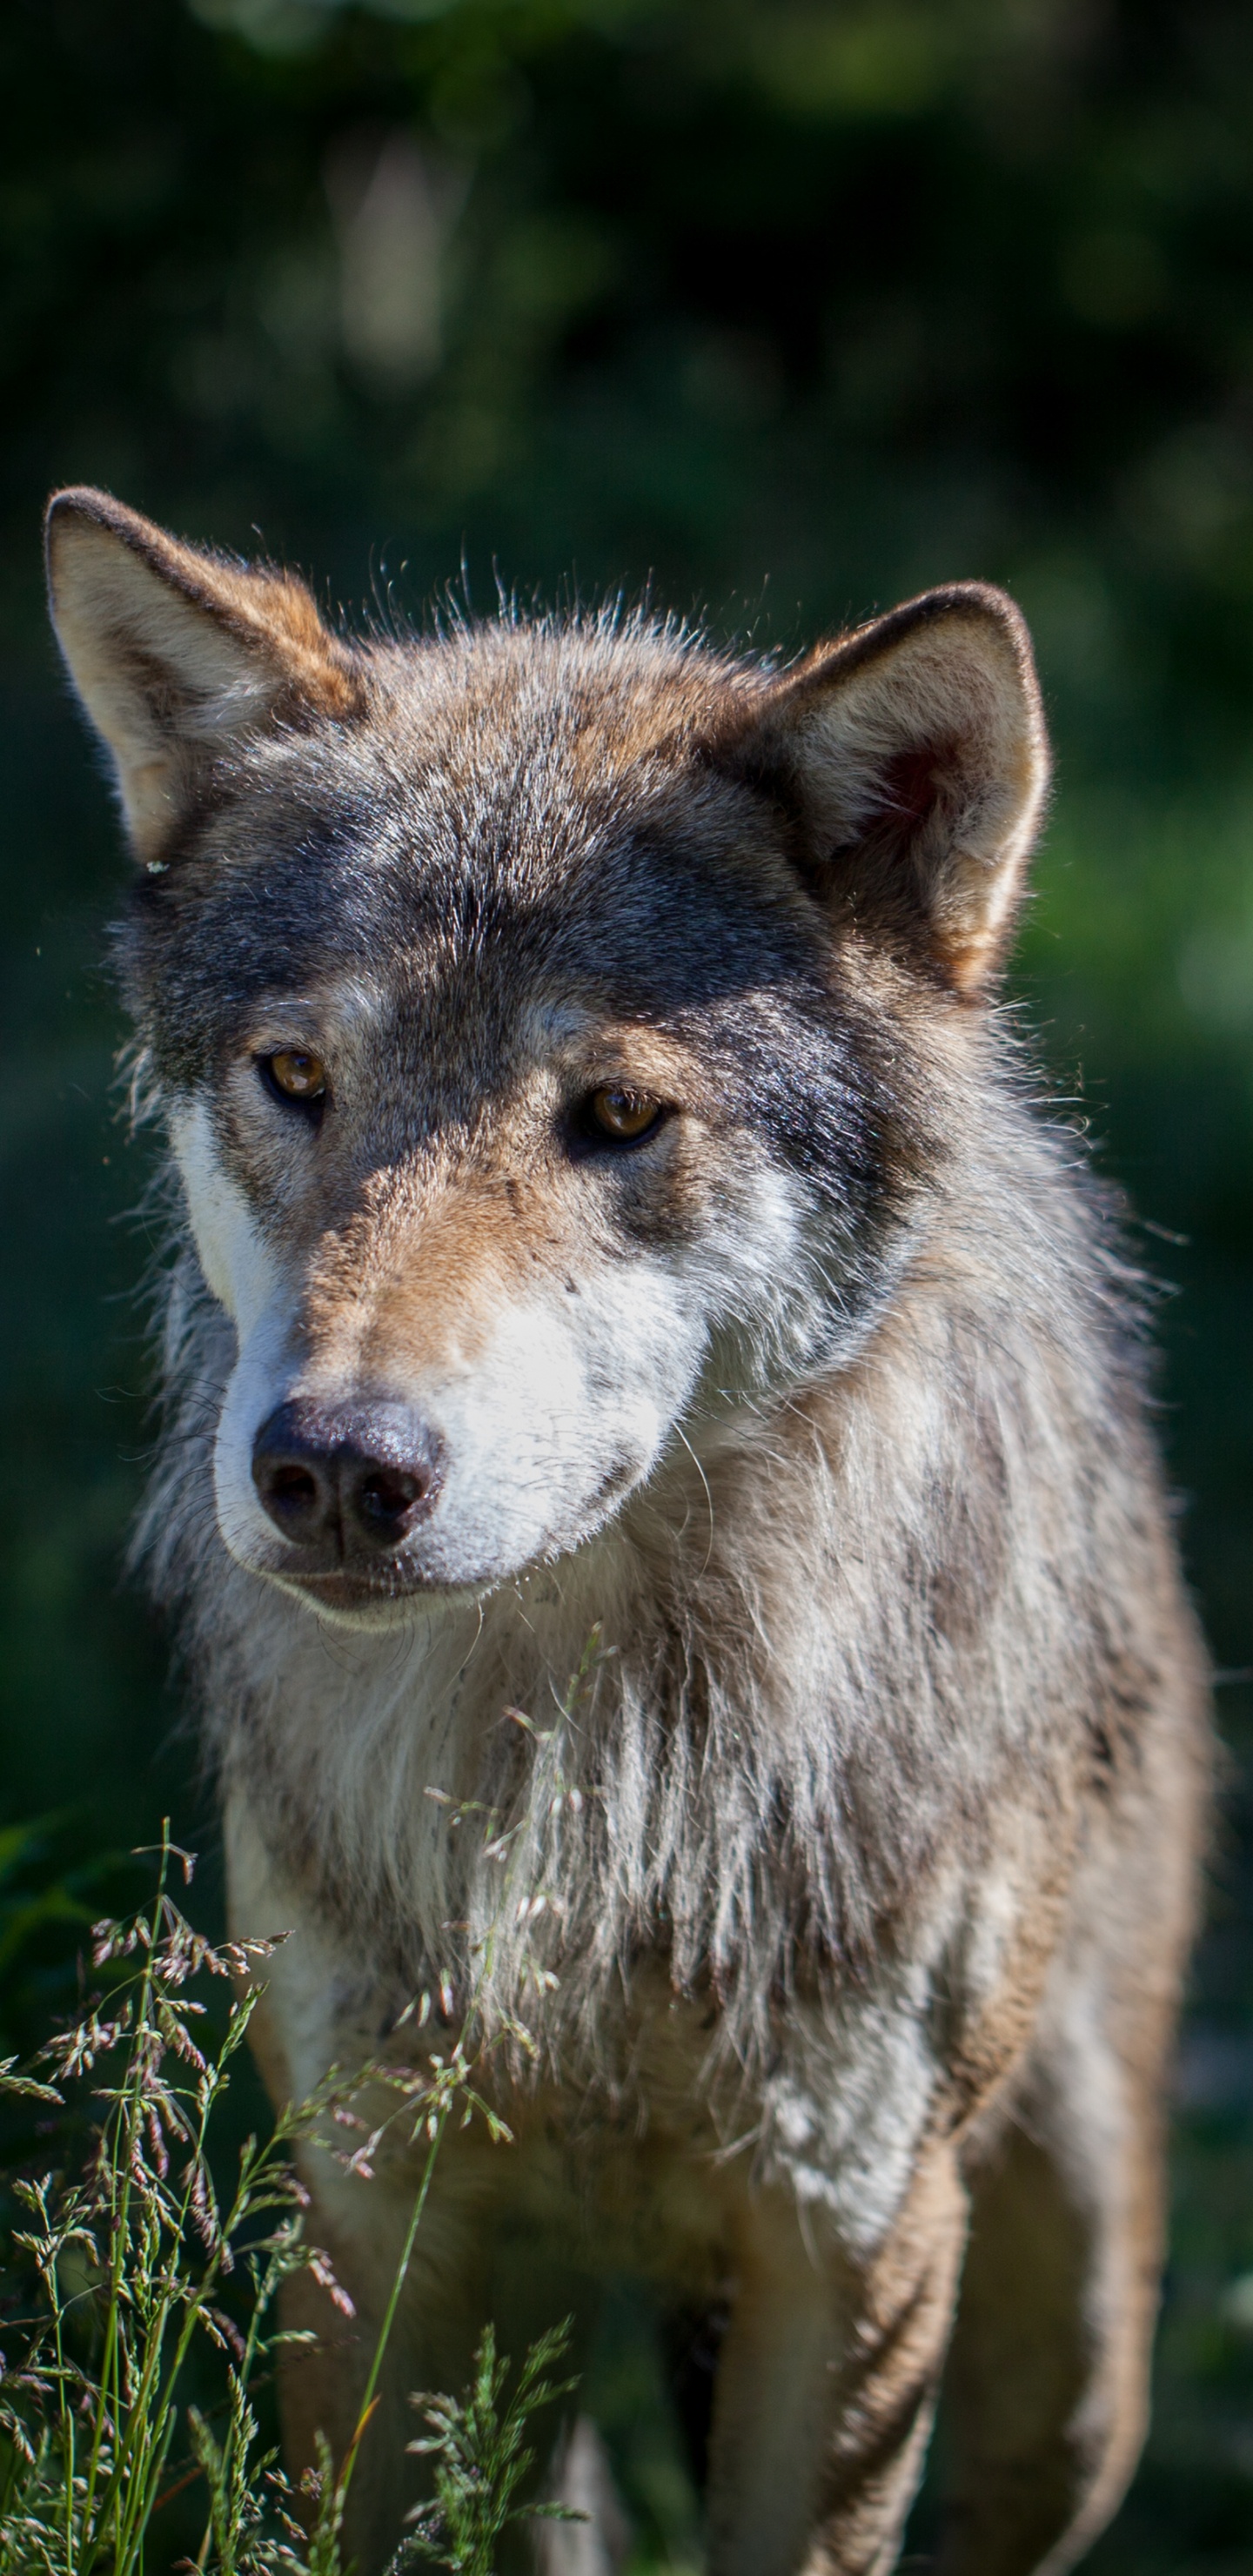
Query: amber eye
x=622, y=1115
x=295, y=1074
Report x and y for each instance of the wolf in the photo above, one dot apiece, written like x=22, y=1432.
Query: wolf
x=659, y=1486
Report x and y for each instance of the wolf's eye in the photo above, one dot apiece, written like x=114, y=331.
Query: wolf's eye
x=622, y=1116
x=295, y=1075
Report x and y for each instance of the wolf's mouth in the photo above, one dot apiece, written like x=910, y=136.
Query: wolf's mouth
x=351, y=1594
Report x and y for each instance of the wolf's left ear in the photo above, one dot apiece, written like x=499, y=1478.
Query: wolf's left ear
x=914, y=760
x=177, y=653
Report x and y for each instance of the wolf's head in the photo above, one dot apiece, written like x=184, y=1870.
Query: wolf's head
x=536, y=1011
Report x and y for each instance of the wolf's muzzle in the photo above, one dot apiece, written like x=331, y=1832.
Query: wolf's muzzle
x=346, y=1484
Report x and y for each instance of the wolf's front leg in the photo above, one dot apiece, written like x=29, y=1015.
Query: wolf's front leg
x=826, y=2387
x=363, y=2226
x=316, y=2010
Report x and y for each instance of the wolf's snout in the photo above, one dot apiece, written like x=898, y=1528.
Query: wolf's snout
x=344, y=1483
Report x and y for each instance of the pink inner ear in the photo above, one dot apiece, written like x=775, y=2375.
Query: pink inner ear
x=912, y=782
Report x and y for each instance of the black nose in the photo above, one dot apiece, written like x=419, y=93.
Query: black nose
x=345, y=1482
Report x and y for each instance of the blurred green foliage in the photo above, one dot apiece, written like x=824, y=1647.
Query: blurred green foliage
x=784, y=308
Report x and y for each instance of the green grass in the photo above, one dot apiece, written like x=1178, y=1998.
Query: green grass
x=131, y=2264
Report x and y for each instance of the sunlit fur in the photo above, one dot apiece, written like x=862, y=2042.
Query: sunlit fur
x=787, y=1708
x=783, y=1735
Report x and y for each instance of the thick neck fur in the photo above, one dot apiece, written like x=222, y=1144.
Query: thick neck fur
x=744, y=1728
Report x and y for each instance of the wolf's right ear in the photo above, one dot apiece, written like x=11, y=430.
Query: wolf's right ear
x=177, y=654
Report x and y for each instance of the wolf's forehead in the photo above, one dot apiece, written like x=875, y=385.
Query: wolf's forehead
x=520, y=761
x=593, y=701
x=508, y=829
x=510, y=758
x=428, y=971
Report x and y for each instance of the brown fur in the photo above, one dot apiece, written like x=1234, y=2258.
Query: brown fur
x=847, y=1894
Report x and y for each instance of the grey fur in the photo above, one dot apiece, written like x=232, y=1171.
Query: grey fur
x=857, y=1868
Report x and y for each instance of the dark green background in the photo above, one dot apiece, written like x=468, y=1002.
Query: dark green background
x=784, y=311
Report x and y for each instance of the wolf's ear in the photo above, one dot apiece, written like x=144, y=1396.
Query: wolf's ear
x=176, y=653
x=914, y=760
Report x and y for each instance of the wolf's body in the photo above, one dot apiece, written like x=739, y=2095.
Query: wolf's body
x=844, y=1884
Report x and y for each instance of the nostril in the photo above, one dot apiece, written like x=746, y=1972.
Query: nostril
x=295, y=1498
x=292, y=1490
x=388, y=1494
x=389, y=1476
x=292, y=1472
